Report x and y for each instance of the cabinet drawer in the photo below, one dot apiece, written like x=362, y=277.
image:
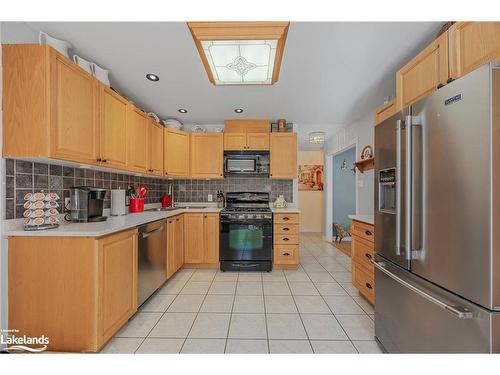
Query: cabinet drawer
x=286, y=239
x=286, y=229
x=286, y=218
x=362, y=251
x=362, y=230
x=364, y=281
x=286, y=254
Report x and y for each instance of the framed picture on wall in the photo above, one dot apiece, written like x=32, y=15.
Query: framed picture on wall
x=311, y=177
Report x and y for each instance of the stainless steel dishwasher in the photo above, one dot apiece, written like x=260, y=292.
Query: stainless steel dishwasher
x=151, y=254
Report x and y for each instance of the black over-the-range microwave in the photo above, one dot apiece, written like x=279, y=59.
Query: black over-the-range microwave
x=246, y=163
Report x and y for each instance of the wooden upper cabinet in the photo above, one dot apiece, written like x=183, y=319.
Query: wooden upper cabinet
x=246, y=141
x=138, y=140
x=258, y=141
x=385, y=111
x=155, y=142
x=207, y=154
x=211, y=234
x=74, y=120
x=194, y=240
x=423, y=73
x=472, y=44
x=283, y=155
x=113, y=128
x=50, y=105
x=235, y=141
x=175, y=153
x=117, y=281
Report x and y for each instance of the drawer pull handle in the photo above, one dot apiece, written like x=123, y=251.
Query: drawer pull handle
x=286, y=254
x=286, y=218
x=286, y=229
x=286, y=239
x=368, y=233
x=368, y=256
x=369, y=286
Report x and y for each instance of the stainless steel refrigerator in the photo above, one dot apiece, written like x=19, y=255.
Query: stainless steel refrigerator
x=437, y=220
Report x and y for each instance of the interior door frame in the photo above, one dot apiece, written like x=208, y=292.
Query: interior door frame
x=329, y=186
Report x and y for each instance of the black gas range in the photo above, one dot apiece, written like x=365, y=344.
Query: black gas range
x=246, y=238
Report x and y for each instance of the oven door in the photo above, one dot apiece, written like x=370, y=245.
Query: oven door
x=246, y=240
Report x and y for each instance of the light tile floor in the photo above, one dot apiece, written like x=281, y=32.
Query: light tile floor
x=314, y=309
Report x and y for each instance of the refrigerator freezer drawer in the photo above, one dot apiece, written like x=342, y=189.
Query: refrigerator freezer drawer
x=415, y=316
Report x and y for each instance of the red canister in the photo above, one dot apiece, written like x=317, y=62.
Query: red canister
x=136, y=205
x=166, y=201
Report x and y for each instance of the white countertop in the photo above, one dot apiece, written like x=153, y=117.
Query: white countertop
x=364, y=218
x=113, y=224
x=116, y=223
x=291, y=209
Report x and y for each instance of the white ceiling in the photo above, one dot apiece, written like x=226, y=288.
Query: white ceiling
x=332, y=72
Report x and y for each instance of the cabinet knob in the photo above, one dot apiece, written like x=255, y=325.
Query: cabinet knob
x=286, y=218
x=369, y=286
x=286, y=229
x=286, y=239
x=286, y=254
x=104, y=160
x=368, y=256
x=368, y=233
x=99, y=159
x=166, y=173
x=176, y=219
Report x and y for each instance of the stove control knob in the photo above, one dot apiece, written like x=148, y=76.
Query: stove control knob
x=258, y=216
x=240, y=216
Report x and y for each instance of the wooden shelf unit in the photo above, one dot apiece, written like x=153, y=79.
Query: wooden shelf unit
x=365, y=164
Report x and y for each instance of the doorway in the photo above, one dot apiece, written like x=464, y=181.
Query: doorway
x=344, y=196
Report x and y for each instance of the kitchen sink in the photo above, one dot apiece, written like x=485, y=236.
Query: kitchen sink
x=163, y=209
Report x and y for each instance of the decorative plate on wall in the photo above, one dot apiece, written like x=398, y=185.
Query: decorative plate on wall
x=367, y=152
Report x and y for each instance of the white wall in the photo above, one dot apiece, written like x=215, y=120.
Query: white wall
x=359, y=133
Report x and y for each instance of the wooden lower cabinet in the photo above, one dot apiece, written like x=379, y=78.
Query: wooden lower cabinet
x=175, y=244
x=362, y=252
x=201, y=238
x=78, y=291
x=286, y=241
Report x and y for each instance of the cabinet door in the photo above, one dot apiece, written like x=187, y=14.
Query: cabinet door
x=138, y=137
x=385, y=111
x=283, y=155
x=423, y=73
x=175, y=153
x=235, y=141
x=117, y=281
x=171, y=247
x=206, y=155
x=113, y=128
x=74, y=119
x=155, y=166
x=258, y=141
x=179, y=242
x=473, y=44
x=193, y=238
x=211, y=234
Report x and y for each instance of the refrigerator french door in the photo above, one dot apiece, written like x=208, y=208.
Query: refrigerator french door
x=437, y=220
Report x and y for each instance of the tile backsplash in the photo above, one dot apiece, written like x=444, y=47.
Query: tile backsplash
x=25, y=176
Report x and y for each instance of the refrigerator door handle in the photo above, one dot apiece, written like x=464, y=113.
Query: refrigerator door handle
x=408, y=182
x=399, y=130
x=459, y=311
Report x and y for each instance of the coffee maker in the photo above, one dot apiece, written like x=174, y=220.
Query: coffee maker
x=87, y=204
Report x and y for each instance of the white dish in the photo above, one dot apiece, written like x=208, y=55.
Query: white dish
x=172, y=123
x=82, y=63
x=60, y=45
x=199, y=129
x=100, y=73
x=154, y=116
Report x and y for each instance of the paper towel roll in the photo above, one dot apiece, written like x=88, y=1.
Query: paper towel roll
x=117, y=202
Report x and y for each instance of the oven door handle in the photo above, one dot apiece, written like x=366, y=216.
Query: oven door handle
x=246, y=222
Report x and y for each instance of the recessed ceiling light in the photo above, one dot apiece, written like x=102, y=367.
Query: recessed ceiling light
x=152, y=77
x=238, y=110
x=182, y=110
